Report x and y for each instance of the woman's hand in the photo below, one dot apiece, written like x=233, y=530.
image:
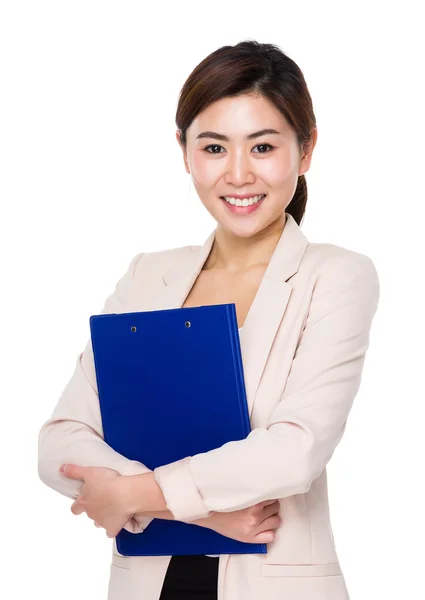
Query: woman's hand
x=101, y=496
x=256, y=524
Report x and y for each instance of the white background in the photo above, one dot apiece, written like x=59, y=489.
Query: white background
x=91, y=174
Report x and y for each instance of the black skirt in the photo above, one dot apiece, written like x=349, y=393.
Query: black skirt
x=191, y=577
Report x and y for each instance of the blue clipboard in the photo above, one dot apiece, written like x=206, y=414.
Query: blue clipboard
x=171, y=385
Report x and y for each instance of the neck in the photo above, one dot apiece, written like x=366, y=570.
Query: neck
x=235, y=254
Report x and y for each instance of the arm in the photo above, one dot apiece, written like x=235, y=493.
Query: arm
x=168, y=516
x=284, y=457
x=74, y=432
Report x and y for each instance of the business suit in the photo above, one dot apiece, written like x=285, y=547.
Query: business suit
x=303, y=344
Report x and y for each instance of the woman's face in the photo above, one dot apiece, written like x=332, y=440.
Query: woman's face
x=223, y=162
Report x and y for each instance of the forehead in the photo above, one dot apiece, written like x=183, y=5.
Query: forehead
x=239, y=115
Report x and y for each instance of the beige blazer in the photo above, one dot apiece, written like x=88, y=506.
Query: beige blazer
x=303, y=348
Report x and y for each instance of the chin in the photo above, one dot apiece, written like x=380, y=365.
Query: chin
x=241, y=231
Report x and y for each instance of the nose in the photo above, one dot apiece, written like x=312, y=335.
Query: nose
x=239, y=169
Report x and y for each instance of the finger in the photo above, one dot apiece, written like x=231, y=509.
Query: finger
x=76, y=508
x=273, y=522
x=268, y=534
x=270, y=510
x=265, y=502
x=264, y=537
x=97, y=524
x=72, y=471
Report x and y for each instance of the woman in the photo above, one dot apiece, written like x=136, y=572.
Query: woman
x=247, y=129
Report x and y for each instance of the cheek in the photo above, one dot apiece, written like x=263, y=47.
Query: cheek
x=205, y=172
x=277, y=172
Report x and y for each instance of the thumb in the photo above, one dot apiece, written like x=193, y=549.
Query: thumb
x=72, y=471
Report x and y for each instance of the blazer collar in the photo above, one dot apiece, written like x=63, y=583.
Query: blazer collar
x=267, y=309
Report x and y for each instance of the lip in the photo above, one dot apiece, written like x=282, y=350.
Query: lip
x=242, y=210
x=241, y=196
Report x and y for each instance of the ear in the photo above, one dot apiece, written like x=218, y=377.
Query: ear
x=186, y=164
x=307, y=152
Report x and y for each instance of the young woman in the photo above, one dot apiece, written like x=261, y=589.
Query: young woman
x=247, y=130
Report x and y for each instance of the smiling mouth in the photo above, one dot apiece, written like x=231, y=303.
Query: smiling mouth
x=245, y=202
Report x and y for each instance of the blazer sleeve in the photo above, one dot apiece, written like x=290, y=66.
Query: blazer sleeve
x=284, y=457
x=74, y=433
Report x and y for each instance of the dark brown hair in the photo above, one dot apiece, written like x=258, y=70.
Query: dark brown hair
x=252, y=68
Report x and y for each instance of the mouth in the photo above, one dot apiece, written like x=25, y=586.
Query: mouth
x=245, y=206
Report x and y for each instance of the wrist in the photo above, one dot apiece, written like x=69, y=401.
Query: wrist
x=203, y=521
x=141, y=494
x=126, y=491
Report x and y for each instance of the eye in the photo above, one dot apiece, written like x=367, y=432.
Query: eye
x=257, y=146
x=213, y=146
x=263, y=145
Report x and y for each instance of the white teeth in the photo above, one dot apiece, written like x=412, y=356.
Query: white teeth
x=245, y=201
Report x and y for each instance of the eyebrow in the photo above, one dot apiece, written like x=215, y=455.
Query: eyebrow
x=224, y=138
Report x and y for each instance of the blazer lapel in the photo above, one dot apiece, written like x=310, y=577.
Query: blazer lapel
x=269, y=305
x=180, y=278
